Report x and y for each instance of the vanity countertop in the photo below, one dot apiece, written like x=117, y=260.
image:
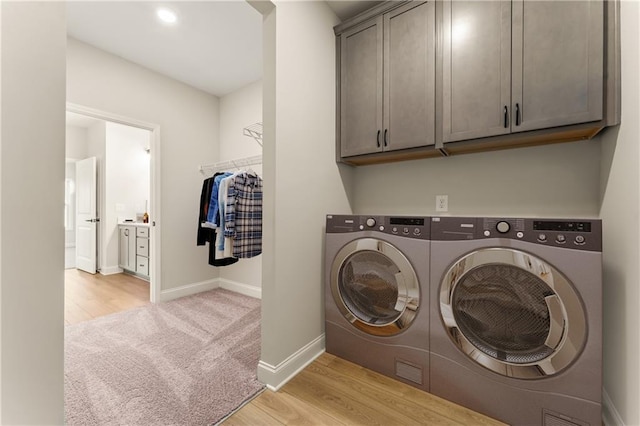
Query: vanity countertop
x=134, y=224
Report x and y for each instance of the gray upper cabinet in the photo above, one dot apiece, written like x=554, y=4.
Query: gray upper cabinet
x=361, y=88
x=476, y=69
x=518, y=66
x=387, y=81
x=558, y=60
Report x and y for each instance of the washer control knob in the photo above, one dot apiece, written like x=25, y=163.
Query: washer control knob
x=487, y=233
x=381, y=228
x=561, y=238
x=371, y=222
x=542, y=237
x=519, y=235
x=579, y=239
x=503, y=227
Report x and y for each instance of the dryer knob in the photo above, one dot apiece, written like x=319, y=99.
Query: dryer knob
x=503, y=227
x=371, y=222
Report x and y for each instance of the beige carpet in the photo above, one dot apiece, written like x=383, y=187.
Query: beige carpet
x=190, y=361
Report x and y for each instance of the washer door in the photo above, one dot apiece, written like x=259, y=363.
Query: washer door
x=375, y=287
x=512, y=313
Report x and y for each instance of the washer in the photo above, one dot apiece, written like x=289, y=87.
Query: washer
x=516, y=318
x=376, y=294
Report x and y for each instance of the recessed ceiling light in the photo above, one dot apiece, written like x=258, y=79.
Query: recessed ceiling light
x=167, y=16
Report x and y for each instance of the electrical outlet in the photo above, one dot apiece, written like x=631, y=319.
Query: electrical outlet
x=442, y=203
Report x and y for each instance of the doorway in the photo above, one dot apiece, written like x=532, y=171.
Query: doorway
x=125, y=153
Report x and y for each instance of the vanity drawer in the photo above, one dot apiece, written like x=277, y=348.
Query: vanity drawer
x=142, y=247
x=142, y=265
x=142, y=231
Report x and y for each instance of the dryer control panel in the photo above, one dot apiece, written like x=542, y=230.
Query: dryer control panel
x=404, y=226
x=580, y=234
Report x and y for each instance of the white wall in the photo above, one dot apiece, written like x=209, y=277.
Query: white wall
x=620, y=215
x=554, y=181
x=126, y=185
x=237, y=111
x=32, y=141
x=302, y=182
x=76, y=142
x=188, y=120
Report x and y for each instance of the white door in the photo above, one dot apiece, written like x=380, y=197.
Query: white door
x=86, y=215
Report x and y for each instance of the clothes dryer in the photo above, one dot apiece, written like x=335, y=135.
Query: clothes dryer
x=516, y=318
x=377, y=294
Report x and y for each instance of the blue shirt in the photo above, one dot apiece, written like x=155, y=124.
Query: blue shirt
x=214, y=208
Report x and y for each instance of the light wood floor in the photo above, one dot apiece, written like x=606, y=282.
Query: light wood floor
x=332, y=391
x=90, y=296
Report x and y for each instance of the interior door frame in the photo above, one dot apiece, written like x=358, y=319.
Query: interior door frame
x=155, y=228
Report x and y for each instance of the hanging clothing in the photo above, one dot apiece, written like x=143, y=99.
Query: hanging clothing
x=243, y=214
x=208, y=235
x=223, y=201
x=203, y=235
x=214, y=206
x=230, y=217
x=217, y=258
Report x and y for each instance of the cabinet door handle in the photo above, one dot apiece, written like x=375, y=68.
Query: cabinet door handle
x=517, y=114
x=378, y=139
x=506, y=117
x=385, y=137
x=126, y=232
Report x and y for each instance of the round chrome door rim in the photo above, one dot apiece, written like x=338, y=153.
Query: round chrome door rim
x=567, y=333
x=408, y=290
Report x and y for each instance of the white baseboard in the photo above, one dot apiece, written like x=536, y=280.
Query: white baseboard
x=277, y=376
x=188, y=290
x=246, y=289
x=610, y=416
x=110, y=270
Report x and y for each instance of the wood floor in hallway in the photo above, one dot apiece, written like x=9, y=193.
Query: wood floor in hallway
x=90, y=296
x=335, y=392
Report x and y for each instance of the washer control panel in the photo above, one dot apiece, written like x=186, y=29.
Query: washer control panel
x=583, y=234
x=403, y=226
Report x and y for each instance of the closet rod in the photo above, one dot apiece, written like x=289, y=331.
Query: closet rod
x=210, y=169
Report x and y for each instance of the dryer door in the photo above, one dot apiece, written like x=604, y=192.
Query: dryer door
x=375, y=287
x=512, y=313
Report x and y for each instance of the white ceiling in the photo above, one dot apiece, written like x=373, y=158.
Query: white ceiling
x=216, y=46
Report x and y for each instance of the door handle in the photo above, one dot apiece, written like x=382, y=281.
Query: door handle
x=506, y=117
x=378, y=139
x=92, y=220
x=385, y=136
x=517, y=114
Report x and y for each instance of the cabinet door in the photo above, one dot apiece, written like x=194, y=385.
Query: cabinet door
x=557, y=63
x=409, y=77
x=361, y=89
x=131, y=248
x=476, y=69
x=127, y=253
x=123, y=254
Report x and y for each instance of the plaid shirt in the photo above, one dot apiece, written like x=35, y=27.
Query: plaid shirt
x=243, y=215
